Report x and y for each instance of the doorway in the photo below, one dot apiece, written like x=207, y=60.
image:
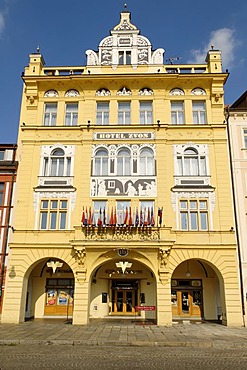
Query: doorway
x=124, y=297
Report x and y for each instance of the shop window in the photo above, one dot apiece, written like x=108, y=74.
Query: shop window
x=53, y=214
x=71, y=115
x=50, y=116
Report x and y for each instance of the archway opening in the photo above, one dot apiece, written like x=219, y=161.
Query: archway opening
x=49, y=290
x=123, y=288
x=197, y=292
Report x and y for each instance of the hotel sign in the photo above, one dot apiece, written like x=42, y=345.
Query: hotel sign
x=123, y=135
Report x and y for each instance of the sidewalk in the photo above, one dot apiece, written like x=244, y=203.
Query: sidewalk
x=123, y=333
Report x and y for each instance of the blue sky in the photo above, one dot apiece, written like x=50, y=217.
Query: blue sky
x=65, y=30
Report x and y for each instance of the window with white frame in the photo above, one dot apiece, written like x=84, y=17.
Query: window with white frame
x=123, y=208
x=124, y=113
x=50, y=115
x=53, y=214
x=102, y=114
x=101, y=162
x=146, y=112
x=71, y=114
x=147, y=164
x=177, y=112
x=57, y=164
x=190, y=163
x=245, y=137
x=124, y=57
x=193, y=214
x=124, y=162
x=146, y=213
x=100, y=215
x=199, y=112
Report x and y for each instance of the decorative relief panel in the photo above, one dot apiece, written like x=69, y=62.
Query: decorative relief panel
x=102, y=92
x=210, y=195
x=198, y=91
x=37, y=195
x=176, y=91
x=123, y=186
x=71, y=93
x=119, y=233
x=146, y=91
x=51, y=94
x=124, y=91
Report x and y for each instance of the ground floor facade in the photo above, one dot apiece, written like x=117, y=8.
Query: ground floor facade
x=148, y=279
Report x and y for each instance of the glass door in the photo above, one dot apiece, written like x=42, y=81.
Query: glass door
x=124, y=301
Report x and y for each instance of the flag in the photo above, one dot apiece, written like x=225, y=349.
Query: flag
x=115, y=217
x=145, y=217
x=149, y=219
x=126, y=217
x=89, y=222
x=130, y=218
x=104, y=217
x=141, y=218
x=137, y=218
x=111, y=218
x=160, y=215
x=99, y=223
x=152, y=217
x=83, y=216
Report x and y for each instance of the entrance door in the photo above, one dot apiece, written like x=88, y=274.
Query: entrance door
x=124, y=301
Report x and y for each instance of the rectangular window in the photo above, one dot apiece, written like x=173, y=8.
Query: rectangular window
x=124, y=113
x=71, y=115
x=102, y=114
x=100, y=215
x=1, y=193
x=193, y=215
x=199, y=112
x=177, y=112
x=245, y=137
x=53, y=214
x=124, y=57
x=122, y=207
x=2, y=155
x=50, y=116
x=146, y=112
x=147, y=213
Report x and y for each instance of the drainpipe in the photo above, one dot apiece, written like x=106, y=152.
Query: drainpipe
x=227, y=115
x=7, y=227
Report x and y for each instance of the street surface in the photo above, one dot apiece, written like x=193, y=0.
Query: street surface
x=45, y=356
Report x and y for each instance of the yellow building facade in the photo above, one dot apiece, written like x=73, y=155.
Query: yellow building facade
x=123, y=200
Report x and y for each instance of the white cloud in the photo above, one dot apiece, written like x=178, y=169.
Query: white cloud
x=2, y=23
x=222, y=39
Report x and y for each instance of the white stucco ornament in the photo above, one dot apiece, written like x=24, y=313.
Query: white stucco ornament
x=124, y=265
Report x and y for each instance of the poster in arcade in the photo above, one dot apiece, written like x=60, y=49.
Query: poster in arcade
x=51, y=297
x=62, y=297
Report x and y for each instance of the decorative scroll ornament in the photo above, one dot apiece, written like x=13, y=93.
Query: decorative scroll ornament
x=164, y=254
x=176, y=91
x=198, y=91
x=80, y=254
x=146, y=91
x=102, y=92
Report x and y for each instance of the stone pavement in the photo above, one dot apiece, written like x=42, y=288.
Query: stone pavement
x=124, y=333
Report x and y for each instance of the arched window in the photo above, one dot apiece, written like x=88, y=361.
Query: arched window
x=57, y=164
x=123, y=162
x=191, y=163
x=101, y=163
x=147, y=166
